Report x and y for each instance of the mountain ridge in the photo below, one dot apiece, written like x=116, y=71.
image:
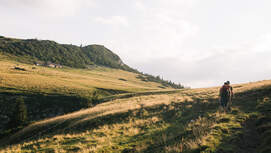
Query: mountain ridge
x=34, y=50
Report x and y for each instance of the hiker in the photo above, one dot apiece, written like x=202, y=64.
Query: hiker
x=226, y=95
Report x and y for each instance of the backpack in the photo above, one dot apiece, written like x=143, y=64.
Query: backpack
x=225, y=91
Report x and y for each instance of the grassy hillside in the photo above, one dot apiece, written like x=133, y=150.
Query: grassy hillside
x=50, y=92
x=46, y=52
x=69, y=80
x=188, y=121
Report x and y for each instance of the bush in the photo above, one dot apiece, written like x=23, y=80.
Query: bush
x=19, y=114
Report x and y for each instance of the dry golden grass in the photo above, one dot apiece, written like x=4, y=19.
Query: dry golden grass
x=108, y=136
x=67, y=80
x=116, y=106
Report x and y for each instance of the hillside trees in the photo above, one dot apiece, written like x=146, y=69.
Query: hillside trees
x=147, y=77
x=19, y=116
x=64, y=54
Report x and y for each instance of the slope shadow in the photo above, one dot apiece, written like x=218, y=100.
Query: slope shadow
x=190, y=110
x=176, y=115
x=39, y=105
x=255, y=134
x=243, y=140
x=176, y=131
x=165, y=112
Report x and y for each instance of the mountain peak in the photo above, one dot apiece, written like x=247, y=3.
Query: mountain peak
x=33, y=50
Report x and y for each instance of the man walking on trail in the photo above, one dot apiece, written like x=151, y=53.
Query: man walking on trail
x=226, y=94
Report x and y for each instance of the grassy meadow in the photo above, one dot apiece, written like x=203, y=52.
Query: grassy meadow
x=49, y=92
x=188, y=121
x=69, y=81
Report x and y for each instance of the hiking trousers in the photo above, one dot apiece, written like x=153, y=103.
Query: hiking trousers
x=224, y=101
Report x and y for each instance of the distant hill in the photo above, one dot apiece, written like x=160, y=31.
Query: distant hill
x=33, y=50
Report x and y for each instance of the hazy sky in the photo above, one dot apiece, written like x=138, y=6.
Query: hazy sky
x=198, y=43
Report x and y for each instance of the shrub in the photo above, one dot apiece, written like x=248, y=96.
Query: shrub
x=19, y=116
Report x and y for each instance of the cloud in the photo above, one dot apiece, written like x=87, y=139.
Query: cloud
x=52, y=8
x=154, y=31
x=113, y=20
x=249, y=61
x=263, y=43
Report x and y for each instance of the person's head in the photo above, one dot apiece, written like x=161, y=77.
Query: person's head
x=227, y=83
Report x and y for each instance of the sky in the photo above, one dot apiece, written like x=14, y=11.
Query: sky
x=193, y=42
